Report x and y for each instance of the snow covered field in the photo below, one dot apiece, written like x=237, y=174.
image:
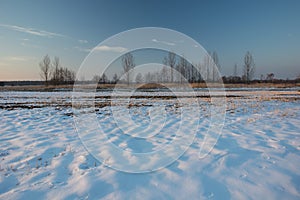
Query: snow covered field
x=256, y=157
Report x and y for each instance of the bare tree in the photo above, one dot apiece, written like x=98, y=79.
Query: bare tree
x=248, y=67
x=199, y=72
x=217, y=66
x=182, y=68
x=207, y=65
x=61, y=75
x=56, y=70
x=270, y=77
x=170, y=61
x=128, y=64
x=188, y=71
x=193, y=78
x=103, y=78
x=71, y=76
x=45, y=66
x=115, y=78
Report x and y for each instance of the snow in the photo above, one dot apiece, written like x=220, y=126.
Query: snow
x=257, y=156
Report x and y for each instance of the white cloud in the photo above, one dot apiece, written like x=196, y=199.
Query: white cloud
x=32, y=31
x=163, y=42
x=83, y=41
x=108, y=48
x=82, y=49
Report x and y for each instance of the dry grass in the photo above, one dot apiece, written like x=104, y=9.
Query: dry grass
x=145, y=86
x=35, y=88
x=263, y=85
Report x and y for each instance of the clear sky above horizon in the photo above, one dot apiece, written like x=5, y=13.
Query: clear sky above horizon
x=30, y=29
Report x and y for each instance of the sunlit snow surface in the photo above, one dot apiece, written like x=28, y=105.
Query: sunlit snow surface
x=256, y=157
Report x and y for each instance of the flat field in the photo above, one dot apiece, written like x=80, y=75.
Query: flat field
x=256, y=156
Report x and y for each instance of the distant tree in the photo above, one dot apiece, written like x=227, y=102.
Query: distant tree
x=69, y=75
x=139, y=78
x=103, y=78
x=216, y=67
x=208, y=63
x=182, y=68
x=45, y=66
x=128, y=64
x=56, y=71
x=232, y=79
x=61, y=75
x=115, y=78
x=170, y=61
x=244, y=78
x=270, y=77
x=248, y=67
x=193, y=74
x=188, y=71
x=198, y=72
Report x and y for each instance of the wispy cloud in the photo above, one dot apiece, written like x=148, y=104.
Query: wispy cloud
x=102, y=48
x=163, y=42
x=109, y=48
x=83, y=41
x=32, y=31
x=82, y=49
x=17, y=58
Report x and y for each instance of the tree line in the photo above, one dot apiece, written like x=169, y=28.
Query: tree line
x=176, y=69
x=53, y=73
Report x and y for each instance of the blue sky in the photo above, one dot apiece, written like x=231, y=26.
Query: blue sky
x=30, y=29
